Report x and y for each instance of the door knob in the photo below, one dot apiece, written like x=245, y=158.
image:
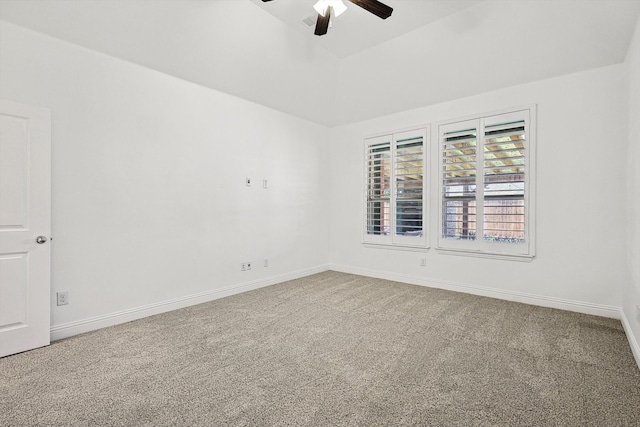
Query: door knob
x=41, y=239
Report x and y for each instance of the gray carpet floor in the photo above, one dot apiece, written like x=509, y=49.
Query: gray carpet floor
x=333, y=349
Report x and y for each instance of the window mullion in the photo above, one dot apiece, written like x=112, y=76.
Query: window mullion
x=480, y=186
x=393, y=196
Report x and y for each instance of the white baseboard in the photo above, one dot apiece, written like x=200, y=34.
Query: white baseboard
x=85, y=325
x=635, y=346
x=532, y=299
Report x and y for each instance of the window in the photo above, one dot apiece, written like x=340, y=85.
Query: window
x=486, y=184
x=395, y=189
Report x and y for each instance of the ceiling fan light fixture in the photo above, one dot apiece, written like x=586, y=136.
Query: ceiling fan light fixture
x=323, y=6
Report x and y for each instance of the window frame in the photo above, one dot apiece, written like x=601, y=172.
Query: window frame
x=479, y=247
x=393, y=240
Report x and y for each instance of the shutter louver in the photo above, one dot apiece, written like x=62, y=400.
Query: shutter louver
x=409, y=169
x=459, y=157
x=378, y=188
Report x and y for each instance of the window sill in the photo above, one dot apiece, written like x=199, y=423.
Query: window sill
x=395, y=247
x=477, y=254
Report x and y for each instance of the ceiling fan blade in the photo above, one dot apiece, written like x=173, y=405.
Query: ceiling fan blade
x=264, y=1
x=322, y=24
x=374, y=6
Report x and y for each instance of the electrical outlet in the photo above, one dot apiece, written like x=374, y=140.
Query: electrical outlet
x=265, y=183
x=248, y=266
x=63, y=297
x=423, y=262
x=243, y=266
x=248, y=182
x=266, y=262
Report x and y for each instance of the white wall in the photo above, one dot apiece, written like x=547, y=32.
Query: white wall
x=149, y=196
x=228, y=45
x=492, y=45
x=581, y=211
x=631, y=293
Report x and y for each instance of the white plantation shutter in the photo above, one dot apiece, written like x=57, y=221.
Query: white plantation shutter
x=486, y=184
x=409, y=201
x=395, y=182
x=504, y=174
x=459, y=171
x=378, y=170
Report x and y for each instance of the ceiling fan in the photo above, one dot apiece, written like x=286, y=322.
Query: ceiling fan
x=327, y=8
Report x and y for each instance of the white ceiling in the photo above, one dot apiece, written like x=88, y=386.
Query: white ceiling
x=427, y=52
x=356, y=29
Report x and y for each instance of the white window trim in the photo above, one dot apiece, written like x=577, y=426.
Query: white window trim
x=392, y=241
x=481, y=254
x=483, y=249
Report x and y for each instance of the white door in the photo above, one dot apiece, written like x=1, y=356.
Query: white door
x=25, y=224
